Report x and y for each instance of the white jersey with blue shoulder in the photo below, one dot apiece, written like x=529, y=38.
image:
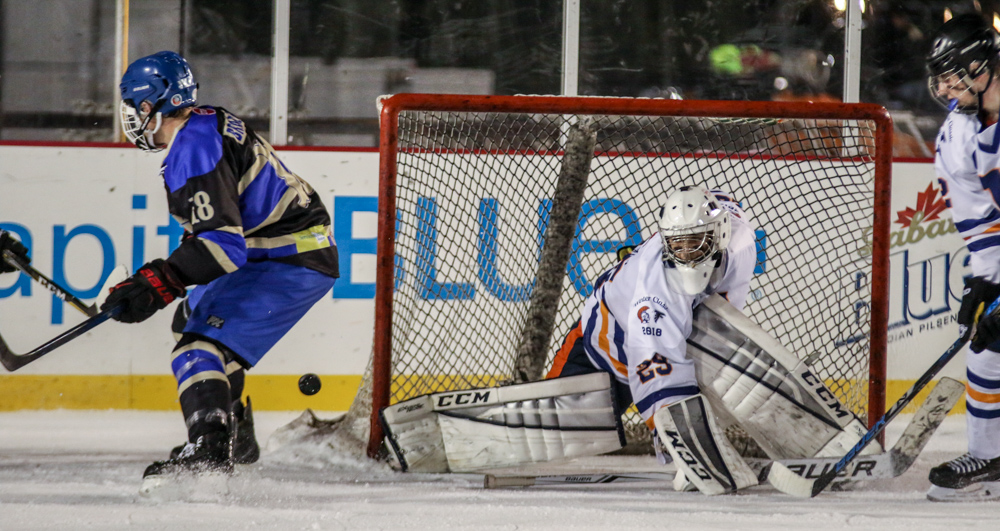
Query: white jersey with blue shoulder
x=968, y=170
x=635, y=326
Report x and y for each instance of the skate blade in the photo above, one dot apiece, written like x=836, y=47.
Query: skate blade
x=984, y=491
x=206, y=487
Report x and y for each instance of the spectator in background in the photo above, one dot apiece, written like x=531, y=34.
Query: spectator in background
x=900, y=79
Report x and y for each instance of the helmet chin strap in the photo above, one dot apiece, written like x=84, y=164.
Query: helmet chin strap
x=148, y=134
x=979, y=95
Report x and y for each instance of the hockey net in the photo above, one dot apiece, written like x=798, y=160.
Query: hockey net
x=467, y=186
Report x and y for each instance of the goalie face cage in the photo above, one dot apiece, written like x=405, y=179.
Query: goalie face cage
x=466, y=183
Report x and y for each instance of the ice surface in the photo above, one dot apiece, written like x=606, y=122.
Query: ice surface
x=75, y=470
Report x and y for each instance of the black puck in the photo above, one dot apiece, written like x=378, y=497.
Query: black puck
x=309, y=384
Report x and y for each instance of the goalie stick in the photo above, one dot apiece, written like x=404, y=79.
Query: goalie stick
x=61, y=292
x=499, y=482
x=787, y=481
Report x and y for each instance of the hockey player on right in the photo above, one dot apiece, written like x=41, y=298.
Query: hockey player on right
x=962, y=67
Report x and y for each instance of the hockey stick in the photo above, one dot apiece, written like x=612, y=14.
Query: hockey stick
x=499, y=482
x=13, y=361
x=789, y=482
x=61, y=292
x=898, y=459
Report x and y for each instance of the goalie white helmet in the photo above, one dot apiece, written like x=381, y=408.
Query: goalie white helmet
x=695, y=230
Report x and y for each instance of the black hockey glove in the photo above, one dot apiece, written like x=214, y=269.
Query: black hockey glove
x=150, y=289
x=978, y=295
x=987, y=333
x=9, y=243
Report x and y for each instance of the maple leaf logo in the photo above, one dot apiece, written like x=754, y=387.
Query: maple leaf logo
x=929, y=205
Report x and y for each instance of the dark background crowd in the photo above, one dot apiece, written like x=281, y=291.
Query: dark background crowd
x=56, y=73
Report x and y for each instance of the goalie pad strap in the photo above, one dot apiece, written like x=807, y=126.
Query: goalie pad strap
x=700, y=449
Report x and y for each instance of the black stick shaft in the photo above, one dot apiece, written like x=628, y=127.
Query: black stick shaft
x=49, y=284
x=13, y=361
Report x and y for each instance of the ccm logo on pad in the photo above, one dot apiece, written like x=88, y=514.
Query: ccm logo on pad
x=462, y=398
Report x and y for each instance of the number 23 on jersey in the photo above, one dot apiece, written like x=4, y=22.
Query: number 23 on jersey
x=651, y=368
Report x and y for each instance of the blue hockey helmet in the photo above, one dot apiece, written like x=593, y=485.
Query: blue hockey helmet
x=164, y=80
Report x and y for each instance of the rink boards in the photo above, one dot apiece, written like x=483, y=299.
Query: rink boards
x=86, y=209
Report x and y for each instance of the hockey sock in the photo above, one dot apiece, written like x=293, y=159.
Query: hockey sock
x=202, y=386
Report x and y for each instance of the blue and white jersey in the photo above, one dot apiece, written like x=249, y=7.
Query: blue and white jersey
x=968, y=169
x=227, y=188
x=635, y=327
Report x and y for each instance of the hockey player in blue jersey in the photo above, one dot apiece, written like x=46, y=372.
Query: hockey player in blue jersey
x=258, y=251
x=962, y=67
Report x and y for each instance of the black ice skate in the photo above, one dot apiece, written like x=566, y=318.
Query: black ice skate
x=245, y=450
x=965, y=478
x=210, y=453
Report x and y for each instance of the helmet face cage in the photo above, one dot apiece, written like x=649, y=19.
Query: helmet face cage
x=165, y=81
x=690, y=249
x=965, y=48
x=135, y=126
x=950, y=85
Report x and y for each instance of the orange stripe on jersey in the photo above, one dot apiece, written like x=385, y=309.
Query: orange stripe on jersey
x=979, y=396
x=994, y=228
x=563, y=354
x=619, y=366
x=605, y=345
x=650, y=423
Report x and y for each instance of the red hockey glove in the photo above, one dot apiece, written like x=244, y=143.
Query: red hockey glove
x=150, y=289
x=8, y=243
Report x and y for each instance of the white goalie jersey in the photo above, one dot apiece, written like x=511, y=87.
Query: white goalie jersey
x=634, y=326
x=968, y=169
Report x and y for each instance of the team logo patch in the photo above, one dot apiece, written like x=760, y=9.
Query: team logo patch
x=176, y=100
x=215, y=321
x=647, y=315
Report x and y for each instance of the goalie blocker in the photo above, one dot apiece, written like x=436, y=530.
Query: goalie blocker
x=475, y=429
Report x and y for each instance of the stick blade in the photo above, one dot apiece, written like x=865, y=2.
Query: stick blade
x=783, y=479
x=925, y=422
x=10, y=360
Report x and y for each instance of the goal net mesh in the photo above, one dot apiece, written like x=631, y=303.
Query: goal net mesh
x=473, y=191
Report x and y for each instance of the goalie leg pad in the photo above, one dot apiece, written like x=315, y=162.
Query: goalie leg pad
x=756, y=383
x=463, y=431
x=700, y=448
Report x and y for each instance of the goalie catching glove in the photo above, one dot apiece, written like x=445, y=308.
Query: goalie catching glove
x=8, y=243
x=150, y=289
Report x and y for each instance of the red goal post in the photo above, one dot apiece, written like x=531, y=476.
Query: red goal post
x=464, y=186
